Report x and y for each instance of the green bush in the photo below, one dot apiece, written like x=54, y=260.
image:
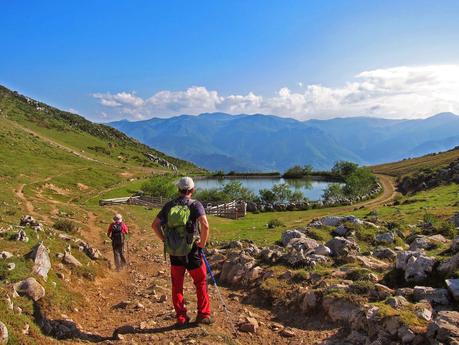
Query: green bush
x=160, y=186
x=447, y=229
x=233, y=190
x=65, y=225
x=274, y=223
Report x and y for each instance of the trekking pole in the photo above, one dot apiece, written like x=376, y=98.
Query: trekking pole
x=218, y=290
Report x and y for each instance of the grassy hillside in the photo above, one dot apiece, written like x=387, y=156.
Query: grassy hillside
x=413, y=165
x=54, y=165
x=97, y=141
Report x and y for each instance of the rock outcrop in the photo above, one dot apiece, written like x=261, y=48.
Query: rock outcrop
x=30, y=288
x=42, y=263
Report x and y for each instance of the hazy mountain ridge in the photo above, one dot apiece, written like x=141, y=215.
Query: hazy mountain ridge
x=267, y=142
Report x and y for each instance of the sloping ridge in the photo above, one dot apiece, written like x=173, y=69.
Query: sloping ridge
x=28, y=113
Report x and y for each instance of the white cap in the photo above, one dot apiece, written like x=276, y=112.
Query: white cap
x=118, y=217
x=185, y=183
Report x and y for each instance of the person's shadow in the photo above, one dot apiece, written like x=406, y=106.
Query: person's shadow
x=128, y=329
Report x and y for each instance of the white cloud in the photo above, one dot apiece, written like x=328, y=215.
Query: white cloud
x=399, y=92
x=119, y=99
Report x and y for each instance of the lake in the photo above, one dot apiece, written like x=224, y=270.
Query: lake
x=311, y=189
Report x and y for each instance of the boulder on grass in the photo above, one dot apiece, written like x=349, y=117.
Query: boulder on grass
x=71, y=260
x=42, y=264
x=385, y=238
x=30, y=288
x=342, y=247
x=416, y=265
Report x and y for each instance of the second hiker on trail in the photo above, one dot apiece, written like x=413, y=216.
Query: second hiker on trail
x=117, y=232
x=183, y=227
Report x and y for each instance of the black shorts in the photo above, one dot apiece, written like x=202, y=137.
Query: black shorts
x=191, y=261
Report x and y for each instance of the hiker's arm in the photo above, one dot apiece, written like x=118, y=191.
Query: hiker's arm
x=204, y=226
x=109, y=231
x=156, y=226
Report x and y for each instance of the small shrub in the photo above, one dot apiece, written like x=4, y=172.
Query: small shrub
x=447, y=229
x=274, y=223
x=300, y=276
x=65, y=225
x=359, y=274
x=429, y=219
x=362, y=287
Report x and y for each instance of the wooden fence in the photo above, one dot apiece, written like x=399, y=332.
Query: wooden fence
x=232, y=210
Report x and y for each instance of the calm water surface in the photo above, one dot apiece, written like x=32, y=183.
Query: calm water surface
x=311, y=189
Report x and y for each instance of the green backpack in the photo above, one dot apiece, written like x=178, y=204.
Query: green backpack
x=179, y=231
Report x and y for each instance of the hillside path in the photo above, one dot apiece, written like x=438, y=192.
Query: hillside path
x=139, y=297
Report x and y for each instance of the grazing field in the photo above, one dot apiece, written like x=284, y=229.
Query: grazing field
x=413, y=165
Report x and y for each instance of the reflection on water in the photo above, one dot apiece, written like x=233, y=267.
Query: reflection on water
x=311, y=189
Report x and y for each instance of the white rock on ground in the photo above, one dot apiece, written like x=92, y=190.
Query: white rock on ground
x=71, y=260
x=3, y=334
x=42, y=264
x=5, y=255
x=416, y=265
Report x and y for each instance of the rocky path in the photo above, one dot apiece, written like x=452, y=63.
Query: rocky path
x=138, y=300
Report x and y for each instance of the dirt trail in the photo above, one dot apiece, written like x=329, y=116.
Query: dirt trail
x=146, y=280
x=142, y=286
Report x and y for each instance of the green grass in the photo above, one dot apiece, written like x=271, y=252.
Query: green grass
x=410, y=166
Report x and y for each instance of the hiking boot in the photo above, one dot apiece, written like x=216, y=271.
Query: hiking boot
x=182, y=322
x=204, y=320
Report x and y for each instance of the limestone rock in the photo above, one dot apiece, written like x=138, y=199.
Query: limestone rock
x=397, y=301
x=42, y=264
x=453, y=287
x=322, y=250
x=250, y=325
x=21, y=236
x=342, y=247
x=416, y=265
x=455, y=245
x=385, y=238
x=447, y=267
x=372, y=263
x=422, y=242
x=10, y=266
x=71, y=260
x=384, y=253
x=435, y=296
x=445, y=326
x=30, y=288
x=289, y=235
x=3, y=334
x=5, y=255
x=303, y=243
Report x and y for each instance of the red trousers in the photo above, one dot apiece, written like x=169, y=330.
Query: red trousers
x=199, y=279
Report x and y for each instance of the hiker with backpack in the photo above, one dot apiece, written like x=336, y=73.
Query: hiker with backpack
x=183, y=227
x=117, y=232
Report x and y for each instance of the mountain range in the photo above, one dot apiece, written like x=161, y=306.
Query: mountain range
x=219, y=141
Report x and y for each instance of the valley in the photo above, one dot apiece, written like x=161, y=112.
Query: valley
x=280, y=289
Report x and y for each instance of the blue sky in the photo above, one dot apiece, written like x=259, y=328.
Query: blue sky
x=303, y=59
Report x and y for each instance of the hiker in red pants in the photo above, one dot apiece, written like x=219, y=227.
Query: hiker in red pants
x=183, y=227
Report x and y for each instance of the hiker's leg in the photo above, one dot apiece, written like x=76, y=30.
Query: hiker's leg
x=199, y=278
x=177, y=276
x=116, y=256
x=123, y=260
